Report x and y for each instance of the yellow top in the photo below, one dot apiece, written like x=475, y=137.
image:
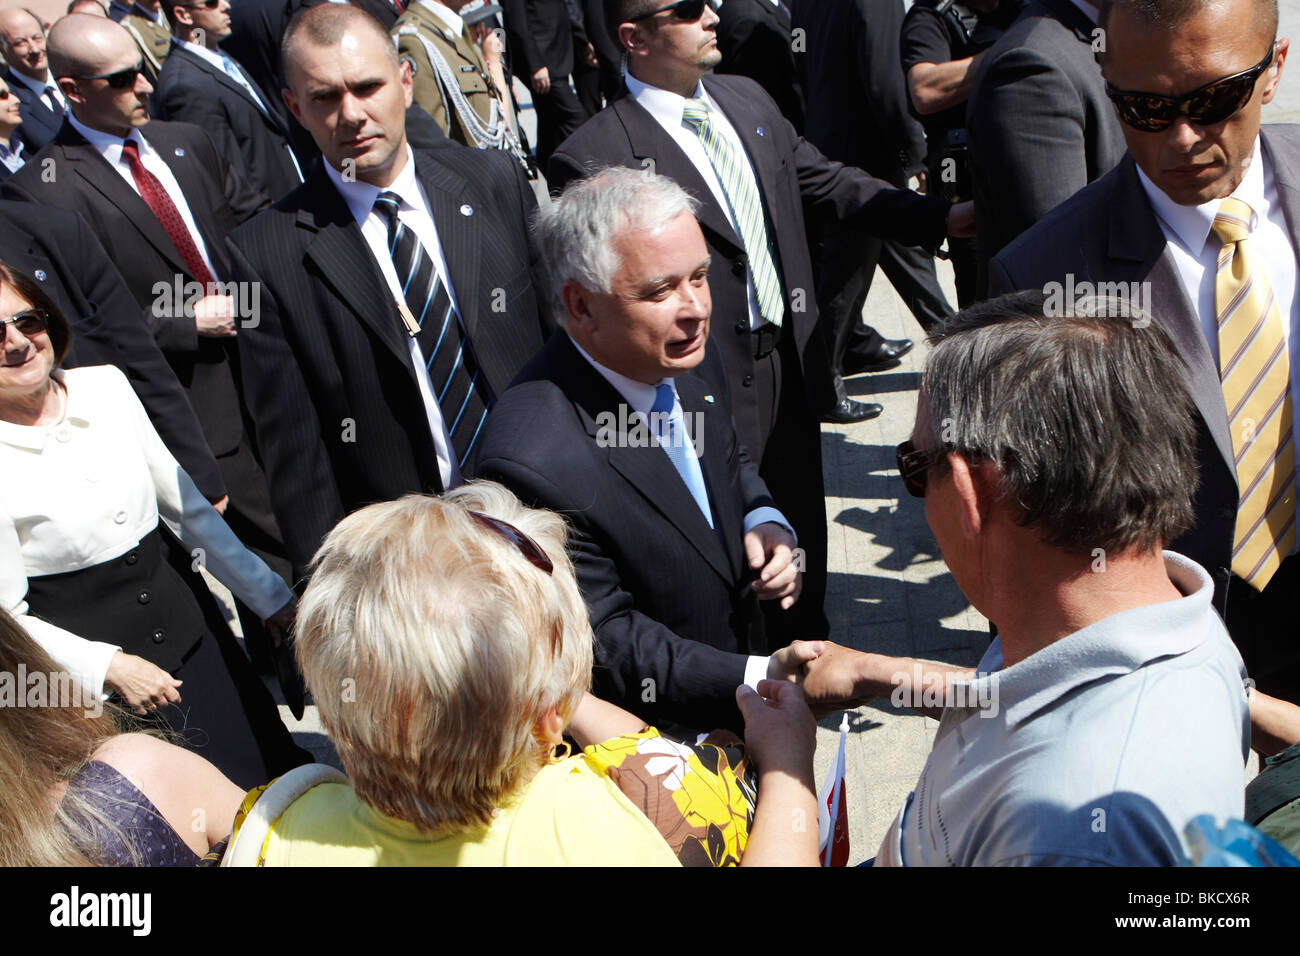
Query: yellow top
x=571, y=814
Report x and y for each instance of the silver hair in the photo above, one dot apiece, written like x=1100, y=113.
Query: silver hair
x=576, y=232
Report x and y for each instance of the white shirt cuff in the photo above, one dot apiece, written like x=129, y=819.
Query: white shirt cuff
x=763, y=515
x=755, y=671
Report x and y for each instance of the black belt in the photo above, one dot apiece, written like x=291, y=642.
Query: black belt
x=765, y=339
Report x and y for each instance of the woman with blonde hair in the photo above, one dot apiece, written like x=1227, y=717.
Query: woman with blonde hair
x=78, y=791
x=448, y=649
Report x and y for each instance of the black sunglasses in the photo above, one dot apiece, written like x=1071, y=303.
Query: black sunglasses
x=914, y=466
x=529, y=548
x=29, y=323
x=205, y=4
x=1212, y=103
x=686, y=10
x=121, y=80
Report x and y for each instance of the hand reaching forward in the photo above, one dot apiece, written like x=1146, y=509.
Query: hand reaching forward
x=145, y=686
x=770, y=548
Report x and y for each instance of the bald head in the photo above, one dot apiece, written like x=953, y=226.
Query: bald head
x=326, y=25
x=86, y=45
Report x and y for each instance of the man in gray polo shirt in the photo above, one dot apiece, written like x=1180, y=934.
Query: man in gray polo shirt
x=1055, y=459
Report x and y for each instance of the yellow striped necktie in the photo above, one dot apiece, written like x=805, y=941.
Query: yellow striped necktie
x=738, y=184
x=1256, y=376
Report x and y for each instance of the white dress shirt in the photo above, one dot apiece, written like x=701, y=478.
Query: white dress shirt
x=667, y=108
x=110, y=147
x=640, y=398
x=11, y=154
x=1195, y=250
x=85, y=490
x=414, y=215
x=39, y=88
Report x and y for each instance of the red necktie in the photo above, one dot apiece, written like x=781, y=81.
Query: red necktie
x=155, y=196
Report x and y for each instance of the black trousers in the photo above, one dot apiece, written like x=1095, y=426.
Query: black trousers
x=559, y=114
x=1265, y=626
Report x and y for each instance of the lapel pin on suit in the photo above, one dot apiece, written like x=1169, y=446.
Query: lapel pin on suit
x=40, y=275
x=708, y=399
x=179, y=152
x=467, y=210
x=762, y=131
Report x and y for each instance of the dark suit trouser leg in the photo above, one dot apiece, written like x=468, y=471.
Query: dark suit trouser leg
x=792, y=468
x=911, y=273
x=1264, y=624
x=559, y=114
x=587, y=81
x=961, y=253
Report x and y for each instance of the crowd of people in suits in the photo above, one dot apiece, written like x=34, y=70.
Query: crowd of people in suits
x=269, y=267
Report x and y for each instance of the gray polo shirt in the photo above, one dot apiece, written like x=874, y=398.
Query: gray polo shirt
x=1098, y=749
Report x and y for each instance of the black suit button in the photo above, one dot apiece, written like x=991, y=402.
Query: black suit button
x=143, y=597
x=1228, y=513
x=133, y=557
x=747, y=381
x=738, y=265
x=159, y=636
x=742, y=327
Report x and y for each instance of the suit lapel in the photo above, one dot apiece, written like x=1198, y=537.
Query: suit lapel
x=41, y=109
x=650, y=142
x=459, y=234
x=1139, y=241
x=195, y=187
x=647, y=469
x=342, y=257
x=757, y=144
x=95, y=170
x=710, y=433
x=222, y=77
x=1286, y=177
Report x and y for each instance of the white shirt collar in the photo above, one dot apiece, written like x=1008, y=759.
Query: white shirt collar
x=199, y=50
x=360, y=196
x=450, y=18
x=665, y=106
x=1192, y=224
x=36, y=86
x=639, y=396
x=109, y=146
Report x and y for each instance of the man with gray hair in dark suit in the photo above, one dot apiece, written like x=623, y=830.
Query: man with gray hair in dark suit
x=1201, y=218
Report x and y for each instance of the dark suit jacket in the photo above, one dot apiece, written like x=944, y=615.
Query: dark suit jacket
x=192, y=90
x=327, y=371
x=58, y=250
x=854, y=87
x=669, y=598
x=540, y=34
x=754, y=38
x=1109, y=233
x=794, y=178
x=120, y=219
x=40, y=123
x=1039, y=123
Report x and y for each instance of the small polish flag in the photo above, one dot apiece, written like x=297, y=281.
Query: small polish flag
x=833, y=811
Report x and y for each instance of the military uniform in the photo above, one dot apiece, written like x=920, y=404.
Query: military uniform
x=416, y=27
x=154, y=38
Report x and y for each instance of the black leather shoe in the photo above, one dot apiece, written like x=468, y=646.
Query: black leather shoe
x=887, y=355
x=849, y=411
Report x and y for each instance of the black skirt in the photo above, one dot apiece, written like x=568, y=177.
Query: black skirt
x=152, y=604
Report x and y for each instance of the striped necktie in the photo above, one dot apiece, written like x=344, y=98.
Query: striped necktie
x=738, y=184
x=669, y=427
x=457, y=382
x=1256, y=377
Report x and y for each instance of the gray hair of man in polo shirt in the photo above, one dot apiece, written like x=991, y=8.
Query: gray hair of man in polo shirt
x=576, y=232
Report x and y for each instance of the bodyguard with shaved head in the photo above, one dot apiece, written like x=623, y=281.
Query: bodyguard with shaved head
x=1204, y=210
x=161, y=197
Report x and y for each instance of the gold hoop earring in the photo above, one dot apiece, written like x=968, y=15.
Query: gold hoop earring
x=560, y=752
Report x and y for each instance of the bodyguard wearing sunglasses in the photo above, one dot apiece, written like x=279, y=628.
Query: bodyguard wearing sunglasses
x=726, y=143
x=1206, y=209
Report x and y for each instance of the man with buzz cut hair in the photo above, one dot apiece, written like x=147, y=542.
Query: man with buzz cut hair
x=1056, y=457
x=398, y=290
x=1203, y=212
x=622, y=424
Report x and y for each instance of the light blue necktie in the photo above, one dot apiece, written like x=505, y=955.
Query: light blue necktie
x=670, y=428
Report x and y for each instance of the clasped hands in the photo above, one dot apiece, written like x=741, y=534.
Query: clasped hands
x=832, y=677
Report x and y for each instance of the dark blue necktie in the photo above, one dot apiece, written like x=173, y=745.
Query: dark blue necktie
x=458, y=386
